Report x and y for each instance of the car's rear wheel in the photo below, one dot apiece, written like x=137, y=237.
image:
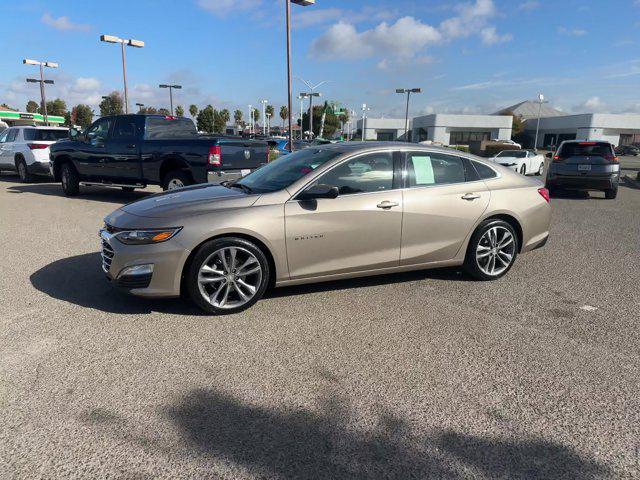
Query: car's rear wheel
x=523, y=169
x=541, y=169
x=23, y=171
x=227, y=275
x=70, y=180
x=611, y=193
x=492, y=250
x=175, y=179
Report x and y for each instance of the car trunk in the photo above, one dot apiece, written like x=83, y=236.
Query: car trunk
x=585, y=158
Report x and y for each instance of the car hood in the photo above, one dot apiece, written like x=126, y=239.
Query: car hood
x=507, y=160
x=196, y=200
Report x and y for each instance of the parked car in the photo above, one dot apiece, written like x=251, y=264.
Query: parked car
x=522, y=161
x=508, y=142
x=580, y=165
x=627, y=150
x=326, y=213
x=133, y=151
x=25, y=149
x=282, y=146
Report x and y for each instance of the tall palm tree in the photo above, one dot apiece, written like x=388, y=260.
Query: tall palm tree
x=284, y=114
x=193, y=110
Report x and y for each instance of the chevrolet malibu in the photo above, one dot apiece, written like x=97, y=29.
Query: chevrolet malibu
x=325, y=213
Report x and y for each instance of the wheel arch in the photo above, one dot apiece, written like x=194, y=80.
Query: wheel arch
x=57, y=166
x=171, y=163
x=511, y=220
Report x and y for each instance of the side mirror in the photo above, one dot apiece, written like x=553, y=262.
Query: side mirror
x=74, y=133
x=319, y=191
x=549, y=155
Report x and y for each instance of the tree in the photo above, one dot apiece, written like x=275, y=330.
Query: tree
x=204, y=119
x=82, y=115
x=193, y=110
x=32, y=106
x=56, y=107
x=179, y=111
x=284, y=114
x=237, y=117
x=67, y=120
x=164, y=111
x=226, y=116
x=219, y=125
x=112, y=104
x=148, y=110
x=331, y=122
x=256, y=115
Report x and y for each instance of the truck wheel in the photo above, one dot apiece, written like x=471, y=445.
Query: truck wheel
x=611, y=193
x=175, y=179
x=70, y=181
x=227, y=275
x=23, y=171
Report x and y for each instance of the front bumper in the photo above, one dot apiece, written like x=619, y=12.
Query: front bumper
x=166, y=260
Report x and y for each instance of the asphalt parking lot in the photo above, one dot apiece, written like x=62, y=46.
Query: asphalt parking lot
x=420, y=375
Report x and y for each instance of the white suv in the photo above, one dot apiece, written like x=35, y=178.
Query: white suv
x=26, y=149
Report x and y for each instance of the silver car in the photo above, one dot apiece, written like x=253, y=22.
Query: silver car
x=326, y=213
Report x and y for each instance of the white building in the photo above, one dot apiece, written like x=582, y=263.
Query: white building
x=616, y=129
x=382, y=129
x=461, y=129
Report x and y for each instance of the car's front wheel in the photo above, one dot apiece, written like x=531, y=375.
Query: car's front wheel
x=492, y=250
x=227, y=275
x=611, y=193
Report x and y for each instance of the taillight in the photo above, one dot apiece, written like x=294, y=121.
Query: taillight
x=544, y=193
x=557, y=158
x=215, y=156
x=37, y=146
x=611, y=158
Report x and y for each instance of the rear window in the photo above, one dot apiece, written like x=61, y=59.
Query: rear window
x=586, y=149
x=44, y=135
x=158, y=128
x=514, y=153
x=484, y=172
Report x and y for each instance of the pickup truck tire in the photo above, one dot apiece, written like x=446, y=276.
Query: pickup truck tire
x=70, y=180
x=227, y=275
x=23, y=171
x=175, y=179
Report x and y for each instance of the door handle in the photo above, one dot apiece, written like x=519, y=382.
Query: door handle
x=470, y=196
x=131, y=145
x=387, y=204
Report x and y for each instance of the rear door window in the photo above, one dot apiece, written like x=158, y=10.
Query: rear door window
x=125, y=127
x=484, y=172
x=586, y=149
x=44, y=135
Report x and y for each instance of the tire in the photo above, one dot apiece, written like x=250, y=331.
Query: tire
x=70, y=180
x=523, y=169
x=230, y=282
x=480, y=244
x=23, y=171
x=611, y=193
x=540, y=170
x=128, y=189
x=175, y=179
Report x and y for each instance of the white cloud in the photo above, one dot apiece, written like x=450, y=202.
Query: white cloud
x=490, y=37
x=222, y=8
x=471, y=18
x=529, y=6
x=63, y=23
x=311, y=17
x=86, y=84
x=572, y=32
x=591, y=105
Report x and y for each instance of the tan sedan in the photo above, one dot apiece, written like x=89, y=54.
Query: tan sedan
x=326, y=213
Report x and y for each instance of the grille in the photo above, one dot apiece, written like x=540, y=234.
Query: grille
x=107, y=255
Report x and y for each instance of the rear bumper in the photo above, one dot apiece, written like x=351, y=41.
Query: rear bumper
x=584, y=182
x=39, y=168
x=226, y=176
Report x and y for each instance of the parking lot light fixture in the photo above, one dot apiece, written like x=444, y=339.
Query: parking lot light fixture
x=541, y=100
x=170, y=87
x=42, y=81
x=264, y=116
x=365, y=109
x=408, y=91
x=140, y=106
x=123, y=42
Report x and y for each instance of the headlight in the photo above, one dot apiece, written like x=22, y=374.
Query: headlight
x=144, y=237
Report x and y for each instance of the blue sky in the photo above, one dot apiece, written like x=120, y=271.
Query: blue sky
x=468, y=56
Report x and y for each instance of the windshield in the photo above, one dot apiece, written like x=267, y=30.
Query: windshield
x=286, y=170
x=513, y=153
x=44, y=135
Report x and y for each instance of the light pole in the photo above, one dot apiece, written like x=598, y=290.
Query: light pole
x=42, y=81
x=264, y=116
x=310, y=96
x=541, y=100
x=301, y=98
x=365, y=109
x=408, y=91
x=269, y=123
x=302, y=3
x=123, y=42
x=170, y=87
x=139, y=105
x=250, y=119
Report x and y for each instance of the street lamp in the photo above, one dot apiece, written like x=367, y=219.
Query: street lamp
x=365, y=109
x=123, y=42
x=408, y=91
x=541, y=100
x=139, y=105
x=302, y=3
x=264, y=116
x=310, y=96
x=250, y=119
x=170, y=87
x=42, y=81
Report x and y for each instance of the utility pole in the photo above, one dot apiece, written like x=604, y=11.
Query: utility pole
x=170, y=87
x=123, y=42
x=408, y=91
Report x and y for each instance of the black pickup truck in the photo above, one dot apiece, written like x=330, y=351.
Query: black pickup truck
x=133, y=151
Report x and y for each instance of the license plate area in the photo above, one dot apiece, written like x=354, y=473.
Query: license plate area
x=584, y=168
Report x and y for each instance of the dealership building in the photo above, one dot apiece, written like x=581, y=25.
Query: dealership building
x=617, y=129
x=450, y=129
x=382, y=129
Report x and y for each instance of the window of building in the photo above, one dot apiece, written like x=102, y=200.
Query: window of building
x=464, y=138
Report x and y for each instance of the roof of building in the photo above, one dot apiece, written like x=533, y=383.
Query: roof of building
x=529, y=109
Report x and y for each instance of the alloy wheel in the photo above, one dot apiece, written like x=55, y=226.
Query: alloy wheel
x=22, y=171
x=495, y=251
x=174, y=183
x=229, y=277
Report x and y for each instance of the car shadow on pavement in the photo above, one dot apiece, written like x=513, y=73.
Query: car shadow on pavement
x=296, y=443
x=96, y=194
x=80, y=280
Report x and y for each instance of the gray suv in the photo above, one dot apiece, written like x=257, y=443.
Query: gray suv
x=584, y=165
